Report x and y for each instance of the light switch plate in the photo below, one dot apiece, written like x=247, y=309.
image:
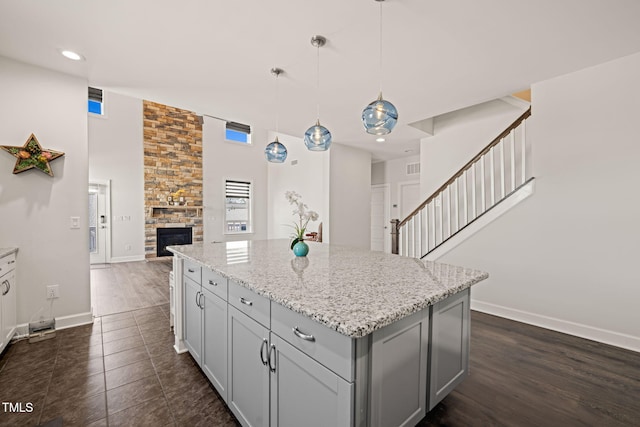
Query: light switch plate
x=75, y=222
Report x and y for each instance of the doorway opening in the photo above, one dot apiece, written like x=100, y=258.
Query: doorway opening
x=99, y=229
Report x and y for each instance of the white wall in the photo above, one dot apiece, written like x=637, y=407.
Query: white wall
x=116, y=153
x=308, y=177
x=394, y=172
x=566, y=258
x=457, y=138
x=350, y=196
x=35, y=209
x=222, y=160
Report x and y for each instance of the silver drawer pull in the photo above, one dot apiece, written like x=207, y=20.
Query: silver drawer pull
x=12, y=261
x=304, y=336
x=211, y=282
x=191, y=270
x=246, y=301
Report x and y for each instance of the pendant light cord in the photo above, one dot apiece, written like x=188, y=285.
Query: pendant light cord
x=277, y=106
x=380, y=48
x=318, y=82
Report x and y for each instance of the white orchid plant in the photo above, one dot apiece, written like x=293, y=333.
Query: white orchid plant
x=304, y=216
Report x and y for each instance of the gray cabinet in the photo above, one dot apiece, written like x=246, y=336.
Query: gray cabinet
x=193, y=318
x=399, y=372
x=304, y=392
x=248, y=354
x=205, y=327
x=448, y=345
x=214, y=340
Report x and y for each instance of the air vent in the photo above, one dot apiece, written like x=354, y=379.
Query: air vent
x=413, y=168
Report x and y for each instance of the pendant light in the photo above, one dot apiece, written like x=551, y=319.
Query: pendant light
x=275, y=151
x=318, y=137
x=380, y=116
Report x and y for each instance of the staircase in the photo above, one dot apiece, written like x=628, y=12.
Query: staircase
x=497, y=177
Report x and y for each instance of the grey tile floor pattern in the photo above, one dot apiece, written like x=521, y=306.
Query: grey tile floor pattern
x=121, y=370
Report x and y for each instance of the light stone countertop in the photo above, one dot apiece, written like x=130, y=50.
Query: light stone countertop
x=352, y=291
x=7, y=251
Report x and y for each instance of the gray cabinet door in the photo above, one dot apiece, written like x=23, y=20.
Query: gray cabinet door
x=214, y=341
x=248, y=381
x=192, y=318
x=305, y=393
x=399, y=372
x=449, y=346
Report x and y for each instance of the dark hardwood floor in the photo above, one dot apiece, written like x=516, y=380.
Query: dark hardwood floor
x=120, y=287
x=522, y=375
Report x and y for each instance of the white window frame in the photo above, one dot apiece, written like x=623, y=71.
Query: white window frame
x=231, y=125
x=249, y=229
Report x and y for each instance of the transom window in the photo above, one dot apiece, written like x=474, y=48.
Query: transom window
x=238, y=132
x=96, y=104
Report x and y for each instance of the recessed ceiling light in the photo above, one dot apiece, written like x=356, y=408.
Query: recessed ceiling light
x=381, y=139
x=71, y=55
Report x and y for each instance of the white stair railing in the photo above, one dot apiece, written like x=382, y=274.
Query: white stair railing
x=496, y=172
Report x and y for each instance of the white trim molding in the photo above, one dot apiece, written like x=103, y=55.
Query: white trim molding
x=617, y=339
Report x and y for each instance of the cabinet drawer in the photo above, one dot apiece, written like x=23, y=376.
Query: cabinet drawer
x=7, y=263
x=214, y=282
x=250, y=303
x=328, y=347
x=192, y=270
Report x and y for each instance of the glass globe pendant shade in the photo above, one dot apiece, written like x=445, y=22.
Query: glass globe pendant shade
x=317, y=138
x=379, y=117
x=276, y=152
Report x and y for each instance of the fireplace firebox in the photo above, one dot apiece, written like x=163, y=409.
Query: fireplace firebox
x=172, y=236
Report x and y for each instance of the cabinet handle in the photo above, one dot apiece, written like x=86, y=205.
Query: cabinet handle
x=272, y=354
x=304, y=336
x=191, y=270
x=201, y=302
x=198, y=299
x=246, y=301
x=211, y=282
x=8, y=285
x=12, y=261
x=263, y=347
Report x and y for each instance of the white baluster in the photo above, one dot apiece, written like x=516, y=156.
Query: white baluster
x=512, y=142
x=457, y=203
x=483, y=202
x=474, y=211
x=502, y=185
x=448, y=211
x=492, y=166
x=524, y=151
x=465, y=196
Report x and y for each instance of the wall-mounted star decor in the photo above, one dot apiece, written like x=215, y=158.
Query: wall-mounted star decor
x=32, y=155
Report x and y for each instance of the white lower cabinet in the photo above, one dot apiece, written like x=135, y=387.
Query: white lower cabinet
x=305, y=393
x=248, y=393
x=8, y=303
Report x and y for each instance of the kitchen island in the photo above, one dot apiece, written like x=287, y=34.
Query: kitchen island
x=343, y=336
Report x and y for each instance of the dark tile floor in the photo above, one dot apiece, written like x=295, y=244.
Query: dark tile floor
x=120, y=371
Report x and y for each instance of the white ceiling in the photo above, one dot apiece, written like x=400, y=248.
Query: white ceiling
x=214, y=57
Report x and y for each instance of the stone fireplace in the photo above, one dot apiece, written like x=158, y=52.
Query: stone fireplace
x=172, y=162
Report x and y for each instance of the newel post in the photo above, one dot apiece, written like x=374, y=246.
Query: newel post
x=395, y=236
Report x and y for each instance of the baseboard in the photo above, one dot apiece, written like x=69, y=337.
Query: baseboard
x=62, y=322
x=579, y=330
x=115, y=260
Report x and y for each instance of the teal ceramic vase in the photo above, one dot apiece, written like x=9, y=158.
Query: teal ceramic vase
x=300, y=249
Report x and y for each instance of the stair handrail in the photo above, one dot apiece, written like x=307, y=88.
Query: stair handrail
x=397, y=224
x=458, y=174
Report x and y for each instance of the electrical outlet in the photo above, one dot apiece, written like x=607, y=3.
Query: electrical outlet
x=53, y=291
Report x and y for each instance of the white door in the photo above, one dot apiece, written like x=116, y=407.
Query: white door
x=380, y=219
x=409, y=197
x=99, y=235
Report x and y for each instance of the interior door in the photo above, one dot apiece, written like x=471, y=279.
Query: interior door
x=380, y=219
x=98, y=223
